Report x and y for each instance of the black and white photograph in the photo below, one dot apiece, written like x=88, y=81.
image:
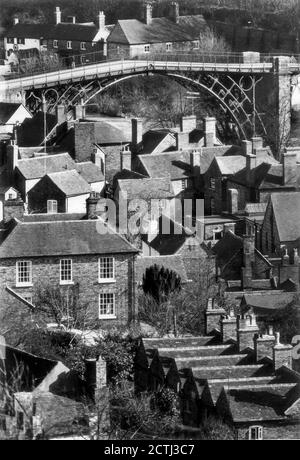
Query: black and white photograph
x=149, y=223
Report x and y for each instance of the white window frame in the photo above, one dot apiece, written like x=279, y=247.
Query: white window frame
x=55, y=43
x=259, y=433
x=196, y=44
x=107, y=279
x=21, y=41
x=19, y=264
x=83, y=46
x=63, y=270
x=52, y=206
x=69, y=45
x=169, y=47
x=106, y=315
x=147, y=49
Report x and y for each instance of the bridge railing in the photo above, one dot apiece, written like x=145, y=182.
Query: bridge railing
x=40, y=66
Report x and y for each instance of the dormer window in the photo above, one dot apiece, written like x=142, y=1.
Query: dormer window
x=55, y=43
x=83, y=46
x=69, y=45
x=256, y=433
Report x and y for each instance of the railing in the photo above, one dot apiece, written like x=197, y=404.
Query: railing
x=27, y=68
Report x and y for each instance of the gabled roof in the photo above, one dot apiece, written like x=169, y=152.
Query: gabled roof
x=146, y=188
x=153, y=138
x=286, y=209
x=266, y=303
x=175, y=165
x=90, y=172
x=46, y=239
x=62, y=31
x=230, y=164
x=35, y=168
x=7, y=110
x=259, y=403
x=70, y=183
x=160, y=30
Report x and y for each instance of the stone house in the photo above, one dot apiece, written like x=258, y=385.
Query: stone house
x=257, y=182
x=281, y=225
x=63, y=38
x=82, y=253
x=132, y=38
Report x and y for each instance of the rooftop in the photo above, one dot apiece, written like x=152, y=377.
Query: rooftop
x=7, y=110
x=37, y=167
x=71, y=183
x=77, y=32
x=175, y=165
x=61, y=238
x=286, y=208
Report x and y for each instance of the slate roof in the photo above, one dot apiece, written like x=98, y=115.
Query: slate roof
x=90, y=172
x=152, y=139
x=70, y=183
x=145, y=189
x=209, y=153
x=175, y=165
x=62, y=31
x=46, y=239
x=31, y=218
x=107, y=133
x=286, y=208
x=263, y=176
x=7, y=110
x=160, y=30
x=173, y=263
x=266, y=303
x=230, y=164
x=251, y=404
x=35, y=168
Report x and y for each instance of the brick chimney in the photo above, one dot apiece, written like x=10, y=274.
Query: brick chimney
x=174, y=12
x=126, y=158
x=101, y=20
x=233, y=201
x=246, y=148
x=12, y=159
x=92, y=205
x=246, y=332
x=264, y=344
x=13, y=209
x=137, y=132
x=60, y=114
x=84, y=133
x=289, y=161
x=148, y=11
x=257, y=143
x=209, y=131
x=188, y=123
x=282, y=354
x=250, y=165
x=229, y=327
x=248, y=260
x=182, y=140
x=57, y=15
x=213, y=315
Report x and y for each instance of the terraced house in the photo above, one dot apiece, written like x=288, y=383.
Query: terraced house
x=68, y=253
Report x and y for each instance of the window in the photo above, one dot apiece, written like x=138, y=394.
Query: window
x=106, y=269
x=256, y=433
x=28, y=298
x=21, y=41
x=66, y=272
x=10, y=40
x=169, y=46
x=107, y=305
x=69, y=45
x=83, y=46
x=147, y=48
x=24, y=273
x=55, y=43
x=52, y=207
x=196, y=44
x=212, y=184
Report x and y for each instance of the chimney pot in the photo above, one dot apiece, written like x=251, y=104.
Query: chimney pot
x=148, y=11
x=57, y=15
x=174, y=12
